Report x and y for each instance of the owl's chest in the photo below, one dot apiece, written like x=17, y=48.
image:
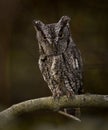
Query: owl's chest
x=51, y=66
x=50, y=62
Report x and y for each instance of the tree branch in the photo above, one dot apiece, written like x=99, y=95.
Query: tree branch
x=49, y=103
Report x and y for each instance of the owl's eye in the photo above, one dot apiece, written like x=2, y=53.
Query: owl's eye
x=44, y=37
x=61, y=35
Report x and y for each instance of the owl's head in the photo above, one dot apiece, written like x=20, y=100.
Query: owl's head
x=53, y=38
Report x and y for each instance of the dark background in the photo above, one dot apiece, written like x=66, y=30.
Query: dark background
x=20, y=78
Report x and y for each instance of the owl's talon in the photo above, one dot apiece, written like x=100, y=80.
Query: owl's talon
x=69, y=94
x=57, y=94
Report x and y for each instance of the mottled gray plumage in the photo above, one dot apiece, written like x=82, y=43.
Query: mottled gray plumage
x=60, y=61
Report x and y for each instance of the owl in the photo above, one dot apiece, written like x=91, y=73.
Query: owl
x=60, y=60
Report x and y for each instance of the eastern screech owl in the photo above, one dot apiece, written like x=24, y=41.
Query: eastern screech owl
x=60, y=61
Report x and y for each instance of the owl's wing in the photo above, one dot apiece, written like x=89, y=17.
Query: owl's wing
x=77, y=67
x=73, y=63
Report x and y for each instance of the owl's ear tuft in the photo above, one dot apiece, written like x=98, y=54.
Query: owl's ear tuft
x=64, y=20
x=38, y=25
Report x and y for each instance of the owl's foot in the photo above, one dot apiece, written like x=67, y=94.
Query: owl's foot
x=69, y=94
x=57, y=93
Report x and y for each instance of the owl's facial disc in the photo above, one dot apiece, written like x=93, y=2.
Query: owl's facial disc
x=52, y=38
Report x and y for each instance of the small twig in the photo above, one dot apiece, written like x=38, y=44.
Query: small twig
x=70, y=116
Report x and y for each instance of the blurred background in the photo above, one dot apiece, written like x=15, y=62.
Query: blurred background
x=20, y=78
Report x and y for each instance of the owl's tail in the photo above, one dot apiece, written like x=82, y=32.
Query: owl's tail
x=73, y=113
